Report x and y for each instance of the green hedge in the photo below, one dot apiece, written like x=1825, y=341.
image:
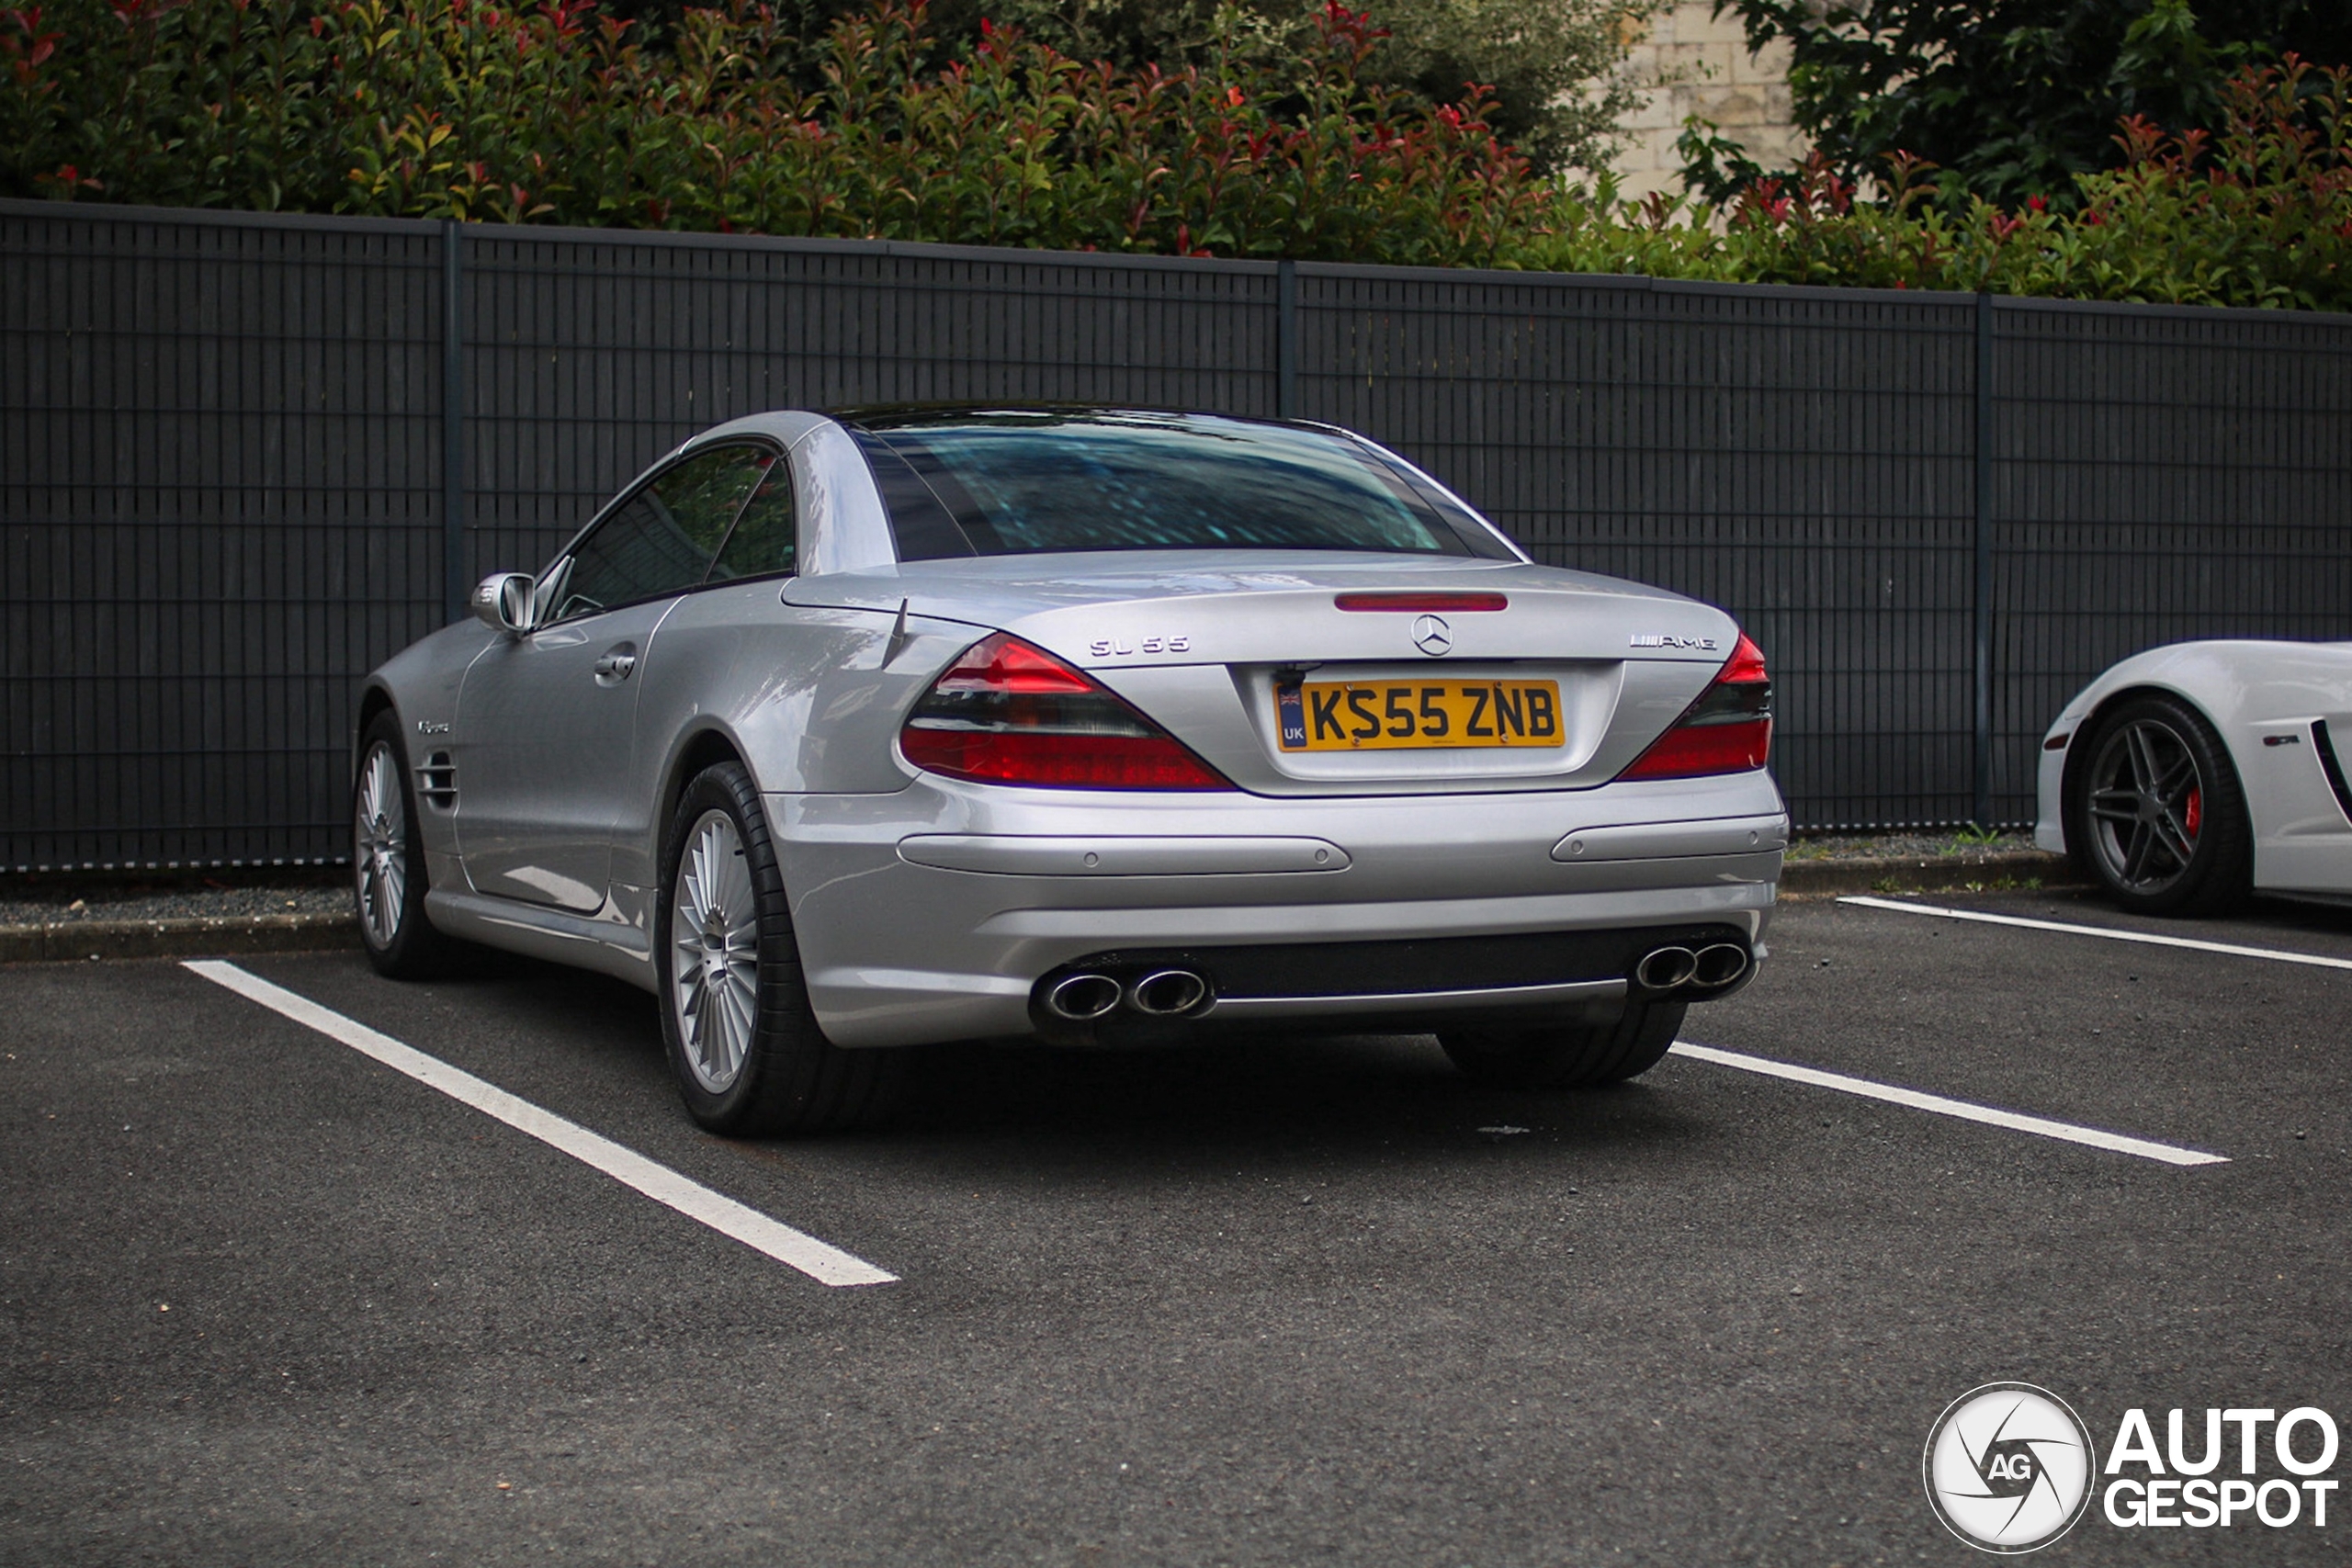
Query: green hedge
x=559, y=114
x=2260, y=215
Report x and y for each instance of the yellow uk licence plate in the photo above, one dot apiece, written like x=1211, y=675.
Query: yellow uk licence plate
x=1396, y=716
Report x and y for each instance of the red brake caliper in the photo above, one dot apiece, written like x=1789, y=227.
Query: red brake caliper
x=2193, y=811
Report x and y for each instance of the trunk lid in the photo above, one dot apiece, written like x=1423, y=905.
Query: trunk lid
x=1206, y=651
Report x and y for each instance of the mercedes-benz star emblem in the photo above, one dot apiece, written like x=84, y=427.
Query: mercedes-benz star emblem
x=1434, y=636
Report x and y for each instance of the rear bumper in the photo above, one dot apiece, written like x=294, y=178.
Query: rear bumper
x=933, y=913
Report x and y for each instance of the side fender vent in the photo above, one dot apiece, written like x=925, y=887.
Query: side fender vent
x=436, y=780
x=2325, y=744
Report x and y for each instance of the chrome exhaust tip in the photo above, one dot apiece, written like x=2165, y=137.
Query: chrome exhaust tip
x=1164, y=993
x=1083, y=998
x=1720, y=965
x=1666, y=967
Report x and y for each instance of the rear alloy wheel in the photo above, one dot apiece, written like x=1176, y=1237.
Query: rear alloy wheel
x=387, y=861
x=1570, y=1056
x=2156, y=813
x=715, y=954
x=744, y=1045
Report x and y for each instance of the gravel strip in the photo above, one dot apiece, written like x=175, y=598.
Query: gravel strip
x=1947, y=844
x=52, y=898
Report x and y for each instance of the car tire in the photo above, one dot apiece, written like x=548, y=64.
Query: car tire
x=2156, y=812
x=749, y=1057
x=1574, y=1057
x=387, y=861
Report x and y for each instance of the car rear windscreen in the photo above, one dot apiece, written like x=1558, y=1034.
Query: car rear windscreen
x=1021, y=482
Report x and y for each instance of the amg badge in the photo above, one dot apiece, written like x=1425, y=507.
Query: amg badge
x=1668, y=639
x=1114, y=647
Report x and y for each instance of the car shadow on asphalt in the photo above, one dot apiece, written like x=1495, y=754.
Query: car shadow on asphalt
x=1284, y=1096
x=1311, y=1098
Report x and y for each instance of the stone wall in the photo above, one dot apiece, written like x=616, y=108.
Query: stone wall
x=1700, y=65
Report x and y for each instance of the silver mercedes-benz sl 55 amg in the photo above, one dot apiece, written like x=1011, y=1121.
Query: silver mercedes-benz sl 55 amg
x=841, y=733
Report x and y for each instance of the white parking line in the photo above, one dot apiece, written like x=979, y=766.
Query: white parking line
x=2041, y=1126
x=2150, y=938
x=814, y=1259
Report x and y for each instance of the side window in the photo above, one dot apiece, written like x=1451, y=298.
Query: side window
x=663, y=539
x=766, y=540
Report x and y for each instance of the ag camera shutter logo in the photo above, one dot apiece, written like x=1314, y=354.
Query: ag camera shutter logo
x=2008, y=1468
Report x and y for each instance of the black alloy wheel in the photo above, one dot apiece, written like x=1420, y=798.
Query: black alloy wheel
x=2156, y=812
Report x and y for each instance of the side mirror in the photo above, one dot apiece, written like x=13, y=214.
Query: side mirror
x=502, y=602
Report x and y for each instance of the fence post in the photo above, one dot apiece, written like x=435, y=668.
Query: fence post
x=1286, y=340
x=1982, y=661
x=453, y=418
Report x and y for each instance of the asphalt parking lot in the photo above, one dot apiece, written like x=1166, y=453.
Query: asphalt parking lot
x=264, y=1299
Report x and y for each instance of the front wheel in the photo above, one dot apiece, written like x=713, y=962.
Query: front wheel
x=387, y=861
x=1569, y=1056
x=2156, y=811
x=744, y=1045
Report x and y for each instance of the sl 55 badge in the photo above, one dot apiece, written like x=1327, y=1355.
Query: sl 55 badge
x=1113, y=648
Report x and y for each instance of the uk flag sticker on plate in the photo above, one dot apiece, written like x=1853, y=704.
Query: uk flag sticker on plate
x=1291, y=708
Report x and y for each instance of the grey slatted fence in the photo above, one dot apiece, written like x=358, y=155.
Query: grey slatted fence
x=2161, y=475
x=226, y=480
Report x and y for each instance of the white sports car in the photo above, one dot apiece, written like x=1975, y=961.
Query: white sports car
x=2188, y=777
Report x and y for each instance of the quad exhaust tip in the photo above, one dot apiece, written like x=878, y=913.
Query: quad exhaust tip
x=1710, y=968
x=1164, y=993
x=1169, y=993
x=1083, y=998
x=1720, y=965
x=1667, y=967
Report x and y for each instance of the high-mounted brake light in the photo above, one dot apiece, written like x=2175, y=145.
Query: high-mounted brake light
x=1418, y=603
x=1727, y=730
x=1010, y=713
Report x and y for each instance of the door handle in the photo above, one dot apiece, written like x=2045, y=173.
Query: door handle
x=616, y=665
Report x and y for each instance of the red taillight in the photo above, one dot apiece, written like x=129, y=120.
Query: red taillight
x=1418, y=603
x=1009, y=713
x=1727, y=730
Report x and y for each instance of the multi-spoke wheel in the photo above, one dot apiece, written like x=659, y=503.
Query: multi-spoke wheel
x=387, y=859
x=380, y=844
x=744, y=1044
x=2155, y=809
x=714, y=952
